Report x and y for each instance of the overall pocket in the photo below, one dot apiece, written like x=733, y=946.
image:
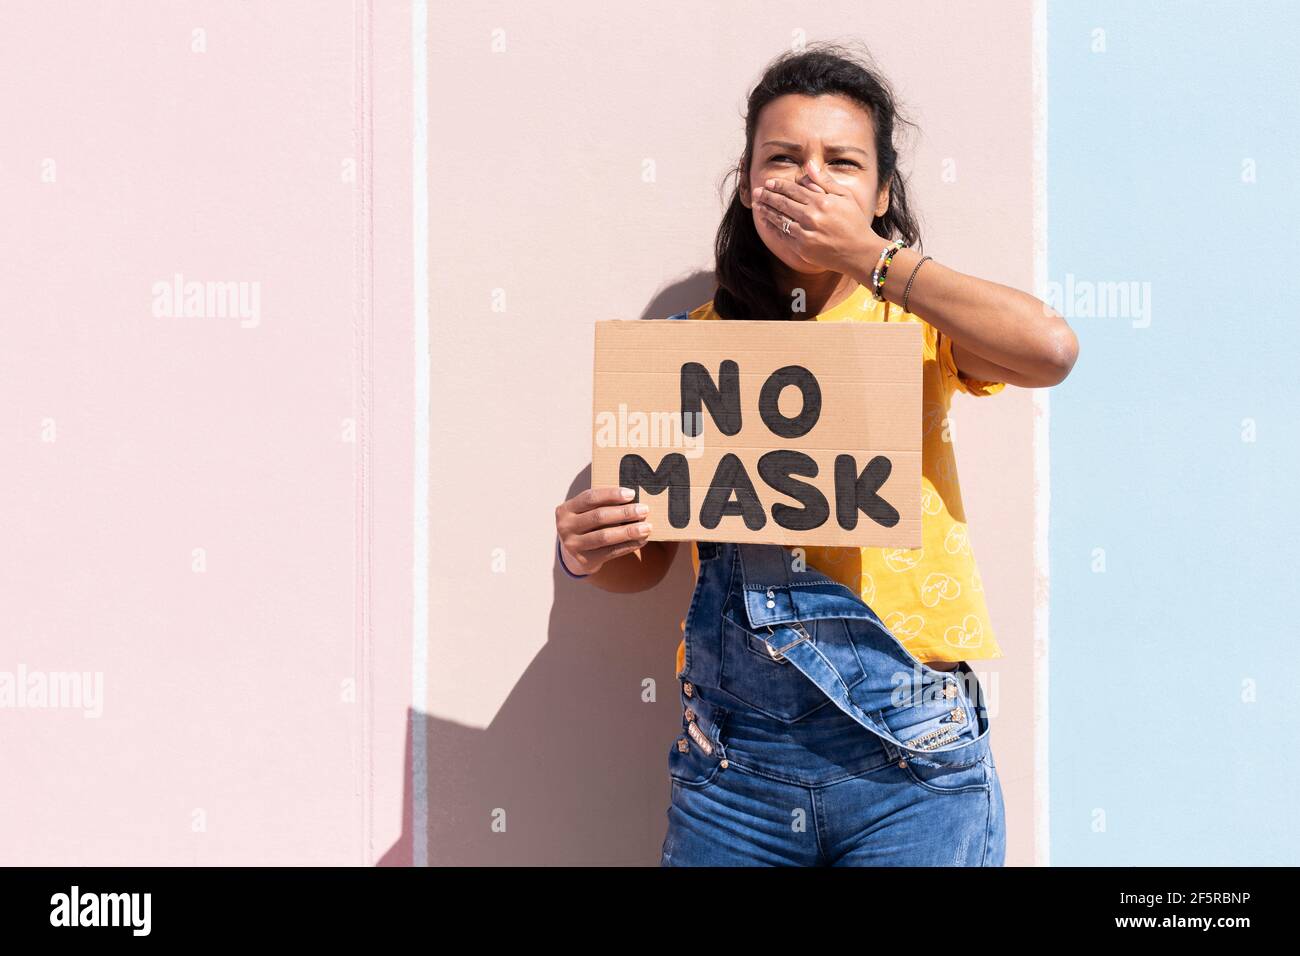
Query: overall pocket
x=933, y=725
x=696, y=755
x=947, y=725
x=954, y=778
x=689, y=766
x=763, y=681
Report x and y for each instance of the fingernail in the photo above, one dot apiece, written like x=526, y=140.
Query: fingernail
x=643, y=528
x=642, y=509
x=628, y=494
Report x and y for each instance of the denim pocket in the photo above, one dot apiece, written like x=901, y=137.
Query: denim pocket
x=690, y=766
x=696, y=754
x=768, y=684
x=947, y=725
x=955, y=778
x=933, y=725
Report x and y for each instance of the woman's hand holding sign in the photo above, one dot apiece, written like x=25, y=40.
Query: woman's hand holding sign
x=598, y=525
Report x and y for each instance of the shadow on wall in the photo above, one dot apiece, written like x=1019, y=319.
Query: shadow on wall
x=573, y=770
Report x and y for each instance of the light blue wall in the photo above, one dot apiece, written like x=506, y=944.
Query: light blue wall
x=1152, y=658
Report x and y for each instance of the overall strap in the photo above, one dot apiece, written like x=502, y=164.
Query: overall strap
x=779, y=589
x=779, y=599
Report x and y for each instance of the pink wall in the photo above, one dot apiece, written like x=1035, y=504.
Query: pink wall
x=132, y=154
x=227, y=734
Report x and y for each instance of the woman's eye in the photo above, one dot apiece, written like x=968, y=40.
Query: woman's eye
x=849, y=161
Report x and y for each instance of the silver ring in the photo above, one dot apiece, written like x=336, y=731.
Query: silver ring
x=786, y=227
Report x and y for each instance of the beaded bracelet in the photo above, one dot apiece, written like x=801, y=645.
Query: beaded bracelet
x=915, y=270
x=882, y=266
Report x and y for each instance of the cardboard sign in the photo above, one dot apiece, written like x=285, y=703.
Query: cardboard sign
x=793, y=433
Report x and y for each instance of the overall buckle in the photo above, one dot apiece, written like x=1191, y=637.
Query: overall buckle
x=779, y=655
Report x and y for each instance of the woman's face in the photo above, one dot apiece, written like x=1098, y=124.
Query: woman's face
x=831, y=129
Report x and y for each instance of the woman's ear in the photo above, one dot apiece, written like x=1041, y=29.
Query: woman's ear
x=745, y=191
x=882, y=201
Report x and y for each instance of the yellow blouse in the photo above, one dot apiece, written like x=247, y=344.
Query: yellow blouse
x=930, y=597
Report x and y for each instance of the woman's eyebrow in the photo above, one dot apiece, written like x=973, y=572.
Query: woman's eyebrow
x=795, y=147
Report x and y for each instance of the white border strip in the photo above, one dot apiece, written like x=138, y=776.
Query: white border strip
x=1042, y=461
x=420, y=566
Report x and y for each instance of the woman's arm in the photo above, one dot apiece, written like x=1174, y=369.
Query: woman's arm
x=999, y=334
x=639, y=571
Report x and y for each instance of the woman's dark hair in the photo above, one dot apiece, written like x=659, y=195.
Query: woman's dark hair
x=746, y=289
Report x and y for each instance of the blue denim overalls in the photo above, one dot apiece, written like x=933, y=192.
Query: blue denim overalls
x=776, y=656
x=784, y=669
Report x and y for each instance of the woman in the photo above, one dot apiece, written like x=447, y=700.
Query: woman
x=829, y=716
